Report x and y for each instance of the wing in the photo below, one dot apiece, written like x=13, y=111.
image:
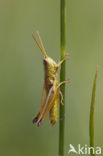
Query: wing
x=43, y=99
x=52, y=95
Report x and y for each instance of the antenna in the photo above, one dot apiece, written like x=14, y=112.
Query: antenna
x=42, y=49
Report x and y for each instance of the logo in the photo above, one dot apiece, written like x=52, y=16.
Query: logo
x=84, y=149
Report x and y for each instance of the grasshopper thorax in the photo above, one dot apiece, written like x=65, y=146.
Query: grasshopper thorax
x=50, y=69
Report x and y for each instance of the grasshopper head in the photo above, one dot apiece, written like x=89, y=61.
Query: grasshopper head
x=50, y=65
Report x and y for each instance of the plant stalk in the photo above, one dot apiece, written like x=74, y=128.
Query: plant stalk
x=62, y=77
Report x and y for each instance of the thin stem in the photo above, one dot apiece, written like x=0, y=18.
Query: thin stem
x=62, y=78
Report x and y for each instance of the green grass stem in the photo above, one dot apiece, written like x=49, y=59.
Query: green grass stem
x=62, y=78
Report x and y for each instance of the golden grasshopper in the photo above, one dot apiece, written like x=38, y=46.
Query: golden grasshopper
x=51, y=88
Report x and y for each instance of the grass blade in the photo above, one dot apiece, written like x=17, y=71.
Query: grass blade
x=92, y=114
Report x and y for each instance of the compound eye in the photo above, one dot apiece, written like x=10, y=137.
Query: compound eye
x=45, y=61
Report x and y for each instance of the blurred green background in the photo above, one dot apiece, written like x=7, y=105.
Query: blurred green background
x=22, y=74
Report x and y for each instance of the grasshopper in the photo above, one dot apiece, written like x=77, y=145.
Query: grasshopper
x=51, y=88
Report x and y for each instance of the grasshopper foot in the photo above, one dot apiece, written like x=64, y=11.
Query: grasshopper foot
x=35, y=120
x=39, y=123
